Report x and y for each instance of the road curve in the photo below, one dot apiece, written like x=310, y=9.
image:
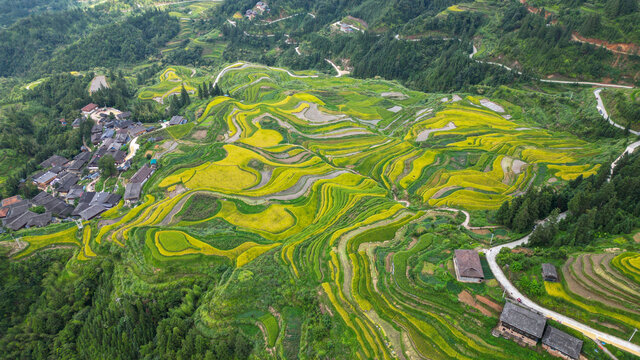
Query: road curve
x=568, y=82
x=567, y=321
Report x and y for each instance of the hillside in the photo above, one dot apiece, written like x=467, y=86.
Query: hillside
x=298, y=179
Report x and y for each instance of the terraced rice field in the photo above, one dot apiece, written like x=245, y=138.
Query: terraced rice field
x=599, y=287
x=319, y=175
x=170, y=83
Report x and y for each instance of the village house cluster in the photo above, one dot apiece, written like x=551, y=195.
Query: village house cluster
x=259, y=9
x=528, y=327
x=62, y=197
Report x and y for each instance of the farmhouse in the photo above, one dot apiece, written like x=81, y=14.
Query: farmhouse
x=136, y=130
x=142, y=175
x=124, y=115
x=74, y=193
x=52, y=204
x=79, y=161
x=177, y=120
x=521, y=324
x=134, y=187
x=89, y=109
x=132, y=192
x=549, y=272
x=92, y=211
x=55, y=160
x=467, y=266
x=20, y=220
x=40, y=220
x=63, y=184
x=44, y=180
x=8, y=203
x=561, y=344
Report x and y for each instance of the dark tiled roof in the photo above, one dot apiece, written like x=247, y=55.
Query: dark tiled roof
x=176, y=120
x=469, y=263
x=136, y=129
x=79, y=209
x=42, y=198
x=132, y=191
x=74, y=193
x=55, y=160
x=100, y=198
x=66, y=182
x=87, y=197
x=117, y=155
x=19, y=222
x=141, y=175
x=549, y=271
x=17, y=210
x=40, y=220
x=124, y=115
x=92, y=211
x=46, y=178
x=113, y=200
x=53, y=204
x=523, y=319
x=563, y=342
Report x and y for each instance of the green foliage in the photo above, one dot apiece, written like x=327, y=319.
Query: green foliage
x=107, y=166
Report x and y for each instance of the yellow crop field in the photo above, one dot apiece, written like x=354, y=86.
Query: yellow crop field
x=253, y=252
x=558, y=291
x=570, y=172
x=547, y=156
x=264, y=138
x=64, y=237
x=274, y=220
x=177, y=243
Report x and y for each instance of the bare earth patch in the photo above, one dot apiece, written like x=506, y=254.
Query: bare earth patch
x=485, y=300
x=466, y=298
x=199, y=134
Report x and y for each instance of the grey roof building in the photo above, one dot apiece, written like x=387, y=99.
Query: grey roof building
x=55, y=160
x=64, y=184
x=92, y=211
x=467, y=265
x=141, y=175
x=52, y=204
x=40, y=220
x=549, y=272
x=562, y=342
x=177, y=120
x=45, y=178
x=522, y=320
x=132, y=192
x=20, y=221
x=79, y=161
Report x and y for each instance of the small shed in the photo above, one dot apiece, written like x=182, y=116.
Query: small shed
x=549, y=272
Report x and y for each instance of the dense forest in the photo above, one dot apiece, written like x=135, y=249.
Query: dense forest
x=81, y=39
x=127, y=42
x=13, y=10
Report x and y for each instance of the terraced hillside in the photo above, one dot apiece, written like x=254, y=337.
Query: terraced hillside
x=335, y=182
x=599, y=288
